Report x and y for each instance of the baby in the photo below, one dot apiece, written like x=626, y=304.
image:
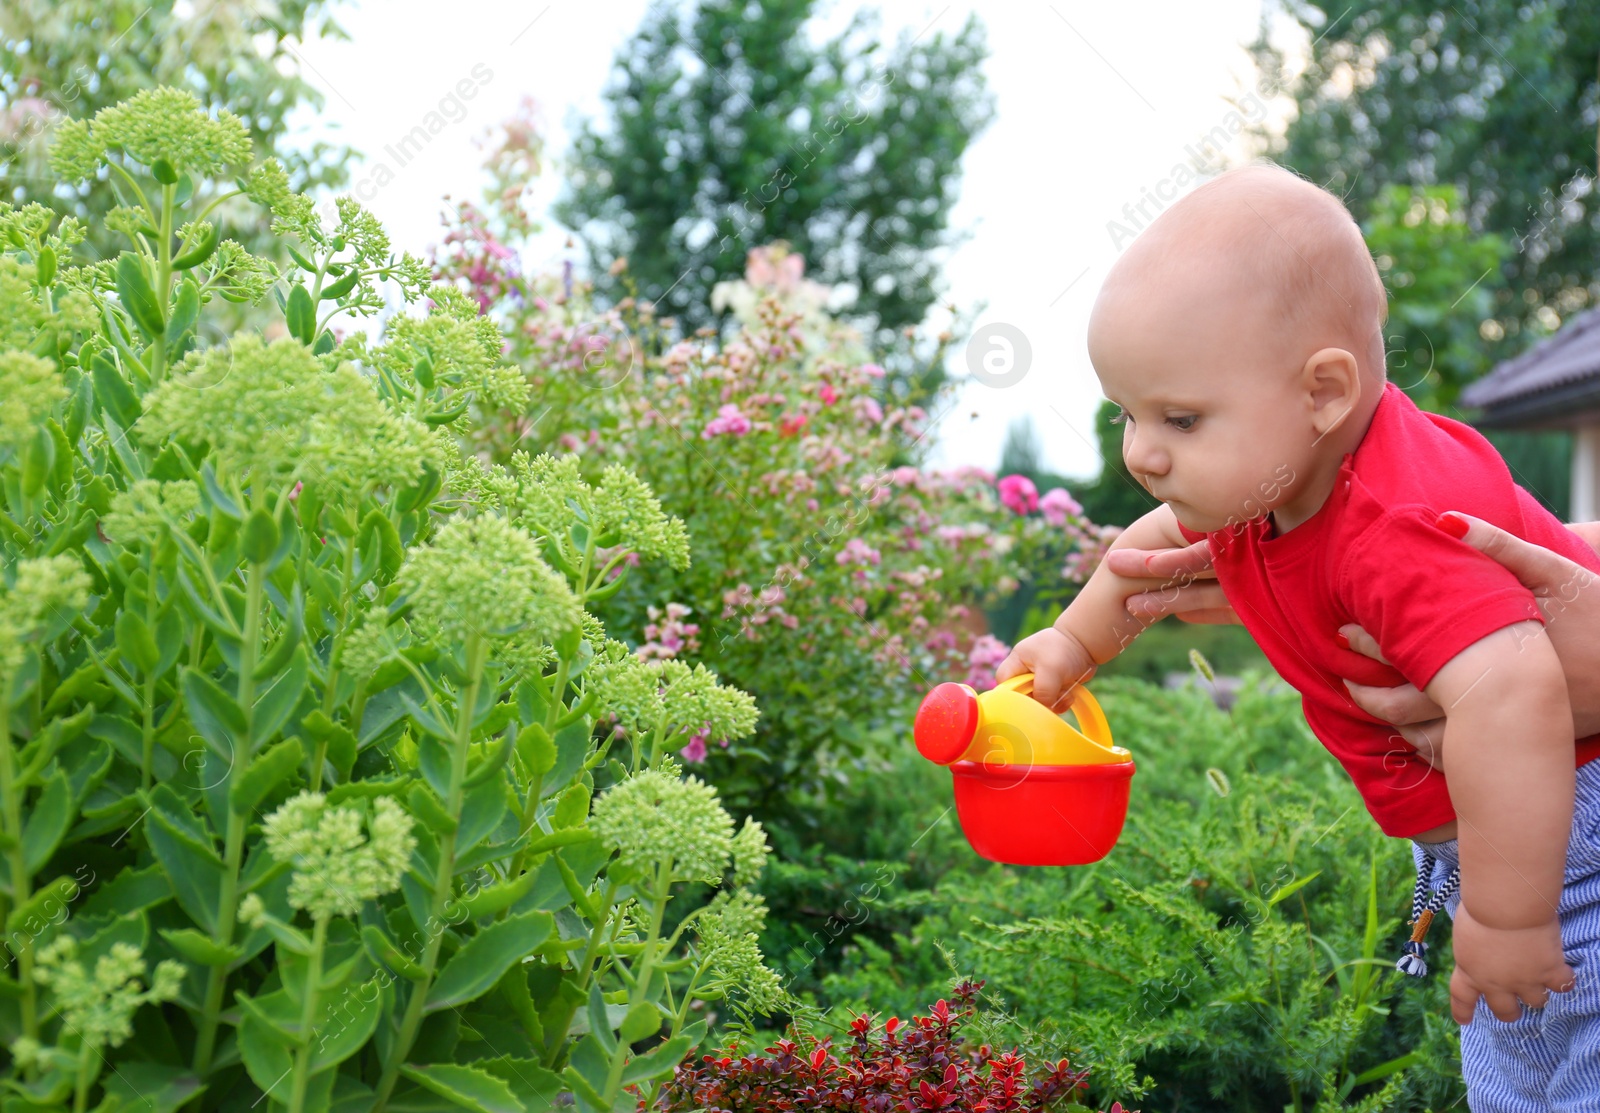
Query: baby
x=1242, y=337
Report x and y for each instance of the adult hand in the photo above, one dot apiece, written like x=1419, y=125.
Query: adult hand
x=1188, y=585
x=1568, y=595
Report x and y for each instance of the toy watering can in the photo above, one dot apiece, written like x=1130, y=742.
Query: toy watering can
x=1031, y=790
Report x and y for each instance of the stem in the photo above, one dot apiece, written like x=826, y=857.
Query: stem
x=663, y=893
x=12, y=815
x=308, y=1016
x=590, y=953
x=148, y=754
x=332, y=690
x=233, y=851
x=158, y=346
x=80, y=1090
x=443, y=876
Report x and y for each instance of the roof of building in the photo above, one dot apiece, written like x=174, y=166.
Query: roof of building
x=1555, y=382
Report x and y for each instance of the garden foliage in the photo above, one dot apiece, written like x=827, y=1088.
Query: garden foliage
x=301, y=798
x=1234, y=952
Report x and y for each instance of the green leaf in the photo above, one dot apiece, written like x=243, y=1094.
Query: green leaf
x=150, y=1087
x=194, y=868
x=481, y=812
x=200, y=252
x=495, y=762
x=599, y=1020
x=43, y=907
x=377, y=526
x=214, y=713
x=343, y=286
x=275, y=705
x=386, y=953
x=467, y=1086
x=270, y=769
x=1383, y=1070
x=268, y=1055
x=130, y=891
x=478, y=965
x=658, y=1062
x=491, y=900
x=301, y=315
x=185, y=312
x=1285, y=892
x=259, y=537
x=537, y=1088
x=48, y=820
x=644, y=1019
x=133, y=287
x=112, y=391
x=200, y=949
x=426, y=807
x=348, y=1021
x=136, y=642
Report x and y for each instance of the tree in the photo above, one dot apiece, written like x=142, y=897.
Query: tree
x=1490, y=96
x=730, y=129
x=65, y=59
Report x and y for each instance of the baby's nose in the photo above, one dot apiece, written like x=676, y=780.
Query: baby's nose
x=1144, y=457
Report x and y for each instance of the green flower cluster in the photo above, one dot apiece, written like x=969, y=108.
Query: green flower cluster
x=728, y=937
x=31, y=387
x=484, y=576
x=460, y=347
x=98, y=1007
x=336, y=866
x=275, y=413
x=366, y=646
x=142, y=514
x=47, y=591
x=157, y=124
x=549, y=495
x=653, y=817
x=668, y=693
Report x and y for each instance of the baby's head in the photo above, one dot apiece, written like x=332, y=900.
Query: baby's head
x=1242, y=335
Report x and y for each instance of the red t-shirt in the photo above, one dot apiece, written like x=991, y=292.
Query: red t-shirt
x=1372, y=555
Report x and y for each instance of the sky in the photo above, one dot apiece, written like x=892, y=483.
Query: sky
x=1099, y=109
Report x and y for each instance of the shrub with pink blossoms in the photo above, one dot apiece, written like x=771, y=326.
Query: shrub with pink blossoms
x=824, y=558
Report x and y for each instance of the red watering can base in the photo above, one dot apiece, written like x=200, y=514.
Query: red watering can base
x=1042, y=815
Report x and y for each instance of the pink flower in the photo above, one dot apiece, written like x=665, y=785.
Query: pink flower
x=986, y=654
x=857, y=551
x=828, y=395
x=872, y=369
x=904, y=476
x=792, y=424
x=867, y=409
x=695, y=752
x=728, y=420
x=1058, y=505
x=1018, y=494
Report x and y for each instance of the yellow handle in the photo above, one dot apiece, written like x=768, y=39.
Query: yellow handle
x=1084, y=707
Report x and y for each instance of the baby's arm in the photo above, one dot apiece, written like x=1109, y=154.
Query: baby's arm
x=1096, y=625
x=1509, y=730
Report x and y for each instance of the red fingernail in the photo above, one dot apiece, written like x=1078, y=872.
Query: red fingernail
x=1455, y=527
x=1343, y=641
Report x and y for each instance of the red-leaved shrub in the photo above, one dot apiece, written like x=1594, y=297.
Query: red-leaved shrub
x=898, y=1068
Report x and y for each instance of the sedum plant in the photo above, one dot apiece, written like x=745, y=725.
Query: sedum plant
x=304, y=709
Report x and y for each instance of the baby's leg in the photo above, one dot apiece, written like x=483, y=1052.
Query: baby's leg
x=1572, y=1019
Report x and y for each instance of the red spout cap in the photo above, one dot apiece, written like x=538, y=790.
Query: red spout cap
x=946, y=722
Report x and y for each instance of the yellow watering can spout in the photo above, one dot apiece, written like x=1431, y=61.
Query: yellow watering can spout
x=1006, y=726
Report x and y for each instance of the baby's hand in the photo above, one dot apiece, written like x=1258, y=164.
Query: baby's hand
x=1058, y=661
x=1503, y=965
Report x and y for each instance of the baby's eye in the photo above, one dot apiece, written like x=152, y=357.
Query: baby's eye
x=1121, y=417
x=1182, y=423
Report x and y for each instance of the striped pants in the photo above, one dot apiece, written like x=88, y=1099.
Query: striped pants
x=1548, y=1059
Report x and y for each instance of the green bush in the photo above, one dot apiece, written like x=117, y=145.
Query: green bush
x=297, y=702
x=1234, y=952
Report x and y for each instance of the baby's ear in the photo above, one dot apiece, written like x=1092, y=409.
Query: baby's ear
x=1332, y=381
